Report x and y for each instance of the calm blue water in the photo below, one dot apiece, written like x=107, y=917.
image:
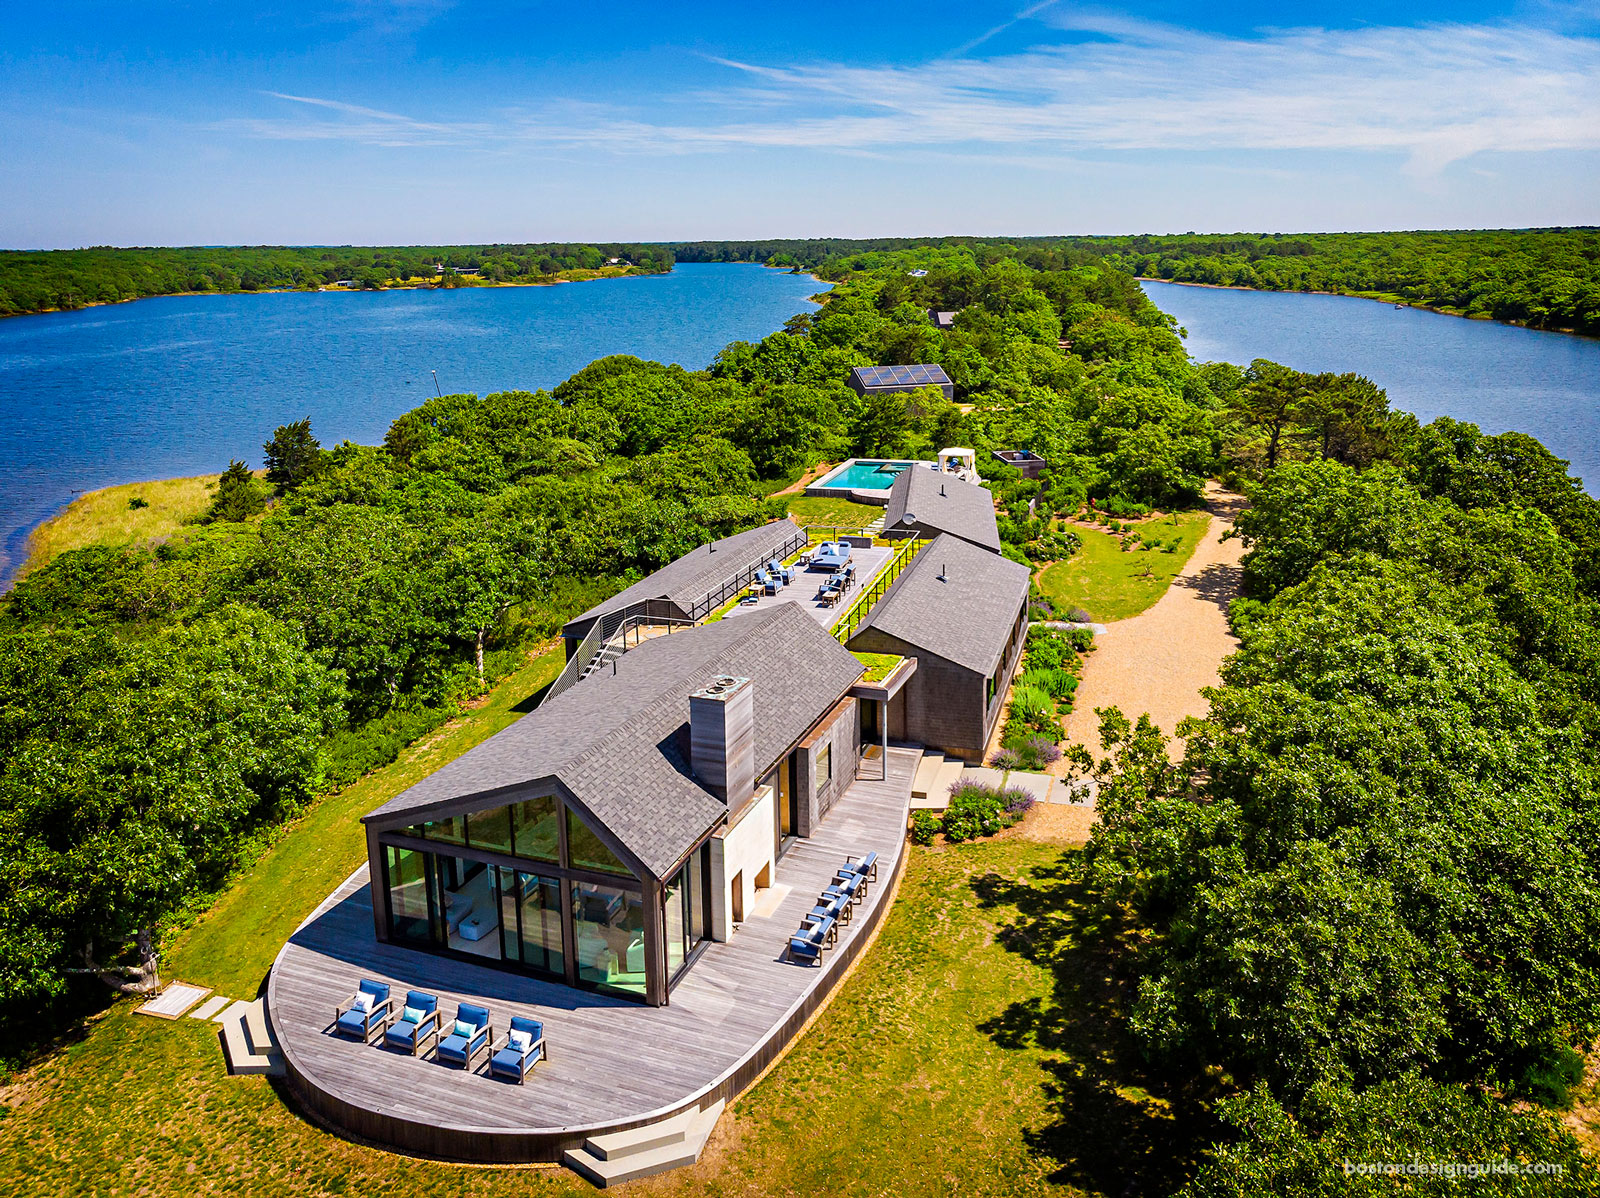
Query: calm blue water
x=866, y=474
x=1497, y=376
x=177, y=386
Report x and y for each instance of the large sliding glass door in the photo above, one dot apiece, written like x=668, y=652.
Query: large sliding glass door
x=687, y=911
x=410, y=908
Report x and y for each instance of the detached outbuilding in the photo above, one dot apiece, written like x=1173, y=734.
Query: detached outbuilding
x=880, y=380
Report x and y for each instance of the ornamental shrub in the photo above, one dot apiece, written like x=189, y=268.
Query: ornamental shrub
x=924, y=826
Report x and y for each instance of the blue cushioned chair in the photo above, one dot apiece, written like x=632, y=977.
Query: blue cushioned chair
x=348, y=1021
x=508, y=1062
x=803, y=949
x=458, y=1049
x=412, y=1036
x=866, y=866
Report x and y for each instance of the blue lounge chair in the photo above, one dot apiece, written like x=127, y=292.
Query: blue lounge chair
x=807, y=943
x=803, y=948
x=412, y=1034
x=511, y=1061
x=350, y=1020
x=866, y=866
x=469, y=1035
x=851, y=885
x=771, y=583
x=781, y=570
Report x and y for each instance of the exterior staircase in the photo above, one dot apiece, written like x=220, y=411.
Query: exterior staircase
x=620, y=1156
x=874, y=526
x=936, y=774
x=248, y=1042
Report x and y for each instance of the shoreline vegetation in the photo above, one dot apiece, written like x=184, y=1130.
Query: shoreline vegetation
x=1377, y=297
x=114, y=517
x=413, y=284
x=1547, y=279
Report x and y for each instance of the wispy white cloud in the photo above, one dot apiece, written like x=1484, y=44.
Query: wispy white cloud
x=1097, y=81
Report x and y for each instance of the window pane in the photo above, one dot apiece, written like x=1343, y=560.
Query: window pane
x=541, y=922
x=471, y=914
x=408, y=894
x=506, y=886
x=538, y=832
x=448, y=830
x=608, y=926
x=825, y=764
x=490, y=830
x=677, y=922
x=585, y=851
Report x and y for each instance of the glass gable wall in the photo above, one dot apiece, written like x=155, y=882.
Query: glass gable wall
x=540, y=913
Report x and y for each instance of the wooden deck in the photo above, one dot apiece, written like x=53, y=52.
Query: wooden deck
x=613, y=1064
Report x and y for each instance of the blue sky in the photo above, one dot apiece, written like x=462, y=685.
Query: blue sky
x=395, y=121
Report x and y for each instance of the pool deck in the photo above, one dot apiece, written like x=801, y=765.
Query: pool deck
x=613, y=1064
x=869, y=564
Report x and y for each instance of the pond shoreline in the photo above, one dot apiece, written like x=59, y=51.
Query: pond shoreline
x=1395, y=301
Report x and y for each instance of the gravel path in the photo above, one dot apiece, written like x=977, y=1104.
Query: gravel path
x=1158, y=661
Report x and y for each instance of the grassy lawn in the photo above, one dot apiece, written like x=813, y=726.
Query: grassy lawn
x=1110, y=584
x=839, y=513
x=104, y=517
x=968, y=1054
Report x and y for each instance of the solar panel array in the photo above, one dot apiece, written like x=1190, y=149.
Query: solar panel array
x=902, y=376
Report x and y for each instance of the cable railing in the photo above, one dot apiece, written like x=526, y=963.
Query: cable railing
x=608, y=636
x=851, y=620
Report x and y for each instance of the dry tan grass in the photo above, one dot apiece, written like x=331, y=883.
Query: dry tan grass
x=1158, y=661
x=104, y=518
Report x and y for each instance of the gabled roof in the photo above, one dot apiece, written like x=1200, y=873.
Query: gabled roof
x=956, y=601
x=943, y=503
x=704, y=568
x=612, y=740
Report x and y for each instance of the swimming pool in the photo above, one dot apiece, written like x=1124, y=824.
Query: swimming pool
x=864, y=474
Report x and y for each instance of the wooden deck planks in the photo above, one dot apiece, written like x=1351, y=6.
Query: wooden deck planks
x=612, y=1062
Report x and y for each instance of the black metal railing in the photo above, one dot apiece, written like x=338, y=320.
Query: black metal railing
x=903, y=557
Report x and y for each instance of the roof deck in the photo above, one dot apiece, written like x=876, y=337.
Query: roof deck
x=613, y=1064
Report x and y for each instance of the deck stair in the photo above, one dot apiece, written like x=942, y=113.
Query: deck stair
x=619, y=1156
x=248, y=1042
x=930, y=790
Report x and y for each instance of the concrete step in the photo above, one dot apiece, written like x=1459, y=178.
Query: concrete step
x=262, y=1041
x=927, y=771
x=241, y=1059
x=949, y=774
x=211, y=1008
x=603, y=1172
x=614, y=1146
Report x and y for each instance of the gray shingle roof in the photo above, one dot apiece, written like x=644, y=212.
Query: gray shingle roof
x=612, y=740
x=944, y=503
x=964, y=617
x=704, y=568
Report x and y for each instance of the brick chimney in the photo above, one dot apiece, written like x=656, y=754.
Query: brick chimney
x=722, y=739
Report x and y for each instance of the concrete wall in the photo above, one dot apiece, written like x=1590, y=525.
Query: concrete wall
x=839, y=730
x=741, y=852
